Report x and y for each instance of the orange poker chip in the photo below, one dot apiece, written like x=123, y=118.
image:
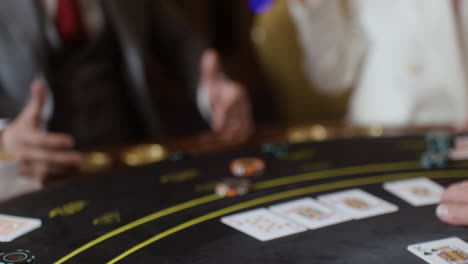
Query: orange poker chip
x=247, y=167
x=231, y=187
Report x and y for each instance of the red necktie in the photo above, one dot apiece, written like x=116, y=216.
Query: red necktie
x=69, y=24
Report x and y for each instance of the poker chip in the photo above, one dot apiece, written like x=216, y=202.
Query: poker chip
x=247, y=167
x=430, y=160
x=95, y=162
x=144, y=154
x=439, y=141
x=232, y=187
x=19, y=256
x=178, y=156
x=278, y=149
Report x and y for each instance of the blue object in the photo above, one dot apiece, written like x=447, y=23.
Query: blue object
x=439, y=141
x=260, y=6
x=278, y=150
x=178, y=156
x=431, y=160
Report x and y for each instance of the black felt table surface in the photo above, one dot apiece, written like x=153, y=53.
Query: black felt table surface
x=167, y=212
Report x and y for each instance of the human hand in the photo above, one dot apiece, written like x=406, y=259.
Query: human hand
x=41, y=154
x=230, y=105
x=461, y=127
x=453, y=208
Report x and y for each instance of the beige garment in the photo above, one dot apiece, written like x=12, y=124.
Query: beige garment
x=413, y=68
x=275, y=39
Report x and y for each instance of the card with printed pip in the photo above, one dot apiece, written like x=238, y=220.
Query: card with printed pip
x=445, y=251
x=358, y=203
x=262, y=224
x=310, y=213
x=12, y=227
x=417, y=192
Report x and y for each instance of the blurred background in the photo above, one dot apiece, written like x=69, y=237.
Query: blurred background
x=259, y=47
x=226, y=26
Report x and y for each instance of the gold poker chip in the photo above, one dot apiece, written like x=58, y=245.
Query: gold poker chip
x=96, y=161
x=144, y=154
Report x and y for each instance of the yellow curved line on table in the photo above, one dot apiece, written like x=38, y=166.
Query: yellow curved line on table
x=379, y=167
x=141, y=221
x=346, y=171
x=289, y=194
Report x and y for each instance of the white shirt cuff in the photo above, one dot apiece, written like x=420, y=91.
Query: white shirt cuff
x=3, y=123
x=203, y=103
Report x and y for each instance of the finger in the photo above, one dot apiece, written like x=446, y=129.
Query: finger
x=236, y=130
x=33, y=110
x=239, y=130
x=453, y=214
x=240, y=119
x=25, y=168
x=456, y=193
x=41, y=171
x=220, y=109
x=225, y=103
x=461, y=127
x=210, y=68
x=42, y=139
x=71, y=158
x=218, y=122
x=30, y=169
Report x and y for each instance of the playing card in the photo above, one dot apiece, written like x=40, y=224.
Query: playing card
x=445, y=251
x=310, y=213
x=12, y=227
x=262, y=224
x=358, y=203
x=417, y=192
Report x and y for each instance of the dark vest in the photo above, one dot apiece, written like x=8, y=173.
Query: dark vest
x=91, y=97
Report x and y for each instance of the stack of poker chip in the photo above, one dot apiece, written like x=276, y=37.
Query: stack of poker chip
x=243, y=170
x=438, y=146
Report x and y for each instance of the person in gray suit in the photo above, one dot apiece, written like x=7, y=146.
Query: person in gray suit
x=75, y=74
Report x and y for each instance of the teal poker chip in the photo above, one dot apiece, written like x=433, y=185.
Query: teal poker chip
x=20, y=256
x=434, y=160
x=276, y=149
x=439, y=141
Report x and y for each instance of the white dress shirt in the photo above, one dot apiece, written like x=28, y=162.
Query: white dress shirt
x=405, y=59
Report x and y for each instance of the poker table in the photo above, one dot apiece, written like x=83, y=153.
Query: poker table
x=167, y=212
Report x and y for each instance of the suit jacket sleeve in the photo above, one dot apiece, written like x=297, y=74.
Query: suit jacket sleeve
x=333, y=43
x=176, y=45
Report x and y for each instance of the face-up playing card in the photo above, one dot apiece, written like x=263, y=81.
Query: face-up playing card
x=445, y=251
x=357, y=203
x=417, y=192
x=310, y=213
x=262, y=224
x=12, y=227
